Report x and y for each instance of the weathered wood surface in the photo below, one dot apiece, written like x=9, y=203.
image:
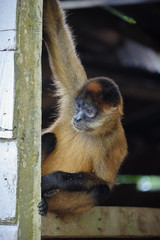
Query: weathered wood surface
x=6, y=93
x=27, y=117
x=7, y=49
x=8, y=41
x=8, y=232
x=94, y=3
x=8, y=14
x=8, y=148
x=105, y=222
x=8, y=180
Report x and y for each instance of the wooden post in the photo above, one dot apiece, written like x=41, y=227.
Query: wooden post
x=28, y=116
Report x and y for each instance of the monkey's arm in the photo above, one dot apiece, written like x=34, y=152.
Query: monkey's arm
x=64, y=62
x=93, y=189
x=80, y=181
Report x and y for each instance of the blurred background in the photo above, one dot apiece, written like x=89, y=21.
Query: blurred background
x=120, y=39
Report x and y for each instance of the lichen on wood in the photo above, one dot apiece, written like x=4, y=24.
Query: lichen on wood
x=27, y=122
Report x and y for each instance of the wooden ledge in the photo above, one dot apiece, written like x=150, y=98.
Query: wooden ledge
x=105, y=222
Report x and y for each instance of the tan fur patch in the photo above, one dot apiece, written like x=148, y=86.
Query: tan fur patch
x=94, y=87
x=59, y=202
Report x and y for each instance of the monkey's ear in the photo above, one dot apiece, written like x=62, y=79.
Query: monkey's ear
x=48, y=143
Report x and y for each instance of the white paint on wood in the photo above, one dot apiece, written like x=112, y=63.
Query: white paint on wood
x=6, y=93
x=8, y=232
x=7, y=40
x=6, y=134
x=8, y=179
x=8, y=14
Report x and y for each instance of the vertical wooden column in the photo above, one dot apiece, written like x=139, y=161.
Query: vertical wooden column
x=27, y=121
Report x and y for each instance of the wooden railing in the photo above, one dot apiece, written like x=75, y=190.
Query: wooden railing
x=103, y=222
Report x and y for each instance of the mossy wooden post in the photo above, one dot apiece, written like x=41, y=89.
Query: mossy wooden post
x=28, y=115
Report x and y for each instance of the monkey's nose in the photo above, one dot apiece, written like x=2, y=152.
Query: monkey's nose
x=78, y=116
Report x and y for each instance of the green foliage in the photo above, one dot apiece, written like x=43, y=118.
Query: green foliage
x=121, y=15
x=144, y=183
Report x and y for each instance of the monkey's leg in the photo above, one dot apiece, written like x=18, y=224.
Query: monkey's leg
x=72, y=192
x=48, y=144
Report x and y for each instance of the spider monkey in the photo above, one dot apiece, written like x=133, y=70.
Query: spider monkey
x=84, y=148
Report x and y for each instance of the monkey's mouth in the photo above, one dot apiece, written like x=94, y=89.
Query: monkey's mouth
x=81, y=127
x=78, y=126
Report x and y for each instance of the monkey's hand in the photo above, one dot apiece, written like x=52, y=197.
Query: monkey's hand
x=46, y=193
x=43, y=207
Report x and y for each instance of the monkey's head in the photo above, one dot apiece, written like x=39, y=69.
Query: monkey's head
x=98, y=106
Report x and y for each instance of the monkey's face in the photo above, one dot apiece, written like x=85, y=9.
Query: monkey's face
x=85, y=115
x=97, y=105
x=91, y=119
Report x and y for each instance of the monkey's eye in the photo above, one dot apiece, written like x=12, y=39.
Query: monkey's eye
x=90, y=112
x=77, y=106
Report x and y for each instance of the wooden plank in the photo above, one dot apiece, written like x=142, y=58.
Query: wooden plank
x=72, y=4
x=105, y=222
x=6, y=93
x=7, y=48
x=8, y=180
x=8, y=14
x=8, y=232
x=8, y=40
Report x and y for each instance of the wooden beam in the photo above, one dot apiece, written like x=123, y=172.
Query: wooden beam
x=72, y=4
x=27, y=118
x=105, y=222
